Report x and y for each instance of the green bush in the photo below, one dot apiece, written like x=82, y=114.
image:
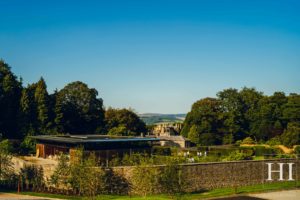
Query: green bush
x=291, y=135
x=145, y=180
x=249, y=151
x=163, y=151
x=27, y=146
x=221, y=151
x=32, y=177
x=266, y=151
x=237, y=155
x=297, y=150
x=274, y=141
x=248, y=140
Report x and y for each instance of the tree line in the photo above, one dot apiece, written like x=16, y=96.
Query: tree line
x=75, y=109
x=237, y=114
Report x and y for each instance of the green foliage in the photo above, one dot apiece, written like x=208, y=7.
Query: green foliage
x=237, y=114
x=291, y=135
x=274, y=141
x=237, y=155
x=248, y=151
x=228, y=139
x=124, y=122
x=208, y=139
x=61, y=174
x=248, y=140
x=145, y=180
x=193, y=134
x=297, y=150
x=6, y=146
x=78, y=110
x=27, y=146
x=6, y=165
x=202, y=122
x=118, y=131
x=84, y=177
x=10, y=91
x=232, y=116
x=32, y=177
x=291, y=110
x=262, y=151
x=172, y=180
x=160, y=150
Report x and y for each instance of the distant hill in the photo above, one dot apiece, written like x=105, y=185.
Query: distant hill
x=154, y=118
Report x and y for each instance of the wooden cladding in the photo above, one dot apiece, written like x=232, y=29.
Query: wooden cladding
x=45, y=150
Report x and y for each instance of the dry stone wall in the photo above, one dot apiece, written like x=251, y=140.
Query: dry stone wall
x=201, y=176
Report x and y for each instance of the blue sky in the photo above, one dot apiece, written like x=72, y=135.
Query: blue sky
x=154, y=56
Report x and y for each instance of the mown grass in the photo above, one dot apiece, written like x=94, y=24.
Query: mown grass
x=221, y=192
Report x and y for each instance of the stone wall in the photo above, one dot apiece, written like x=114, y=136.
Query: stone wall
x=201, y=176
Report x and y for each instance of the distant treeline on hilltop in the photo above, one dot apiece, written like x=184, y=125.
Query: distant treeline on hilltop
x=153, y=118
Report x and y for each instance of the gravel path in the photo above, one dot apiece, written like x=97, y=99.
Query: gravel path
x=280, y=195
x=9, y=196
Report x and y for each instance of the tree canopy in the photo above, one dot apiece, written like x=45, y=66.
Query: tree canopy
x=123, y=122
x=75, y=109
x=235, y=115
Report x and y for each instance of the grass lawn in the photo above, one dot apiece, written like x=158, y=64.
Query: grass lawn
x=194, y=196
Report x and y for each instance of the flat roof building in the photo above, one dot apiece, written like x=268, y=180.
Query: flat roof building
x=104, y=146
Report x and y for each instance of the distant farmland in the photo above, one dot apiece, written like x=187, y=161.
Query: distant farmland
x=153, y=118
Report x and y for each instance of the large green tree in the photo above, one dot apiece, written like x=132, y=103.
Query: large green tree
x=204, y=121
x=10, y=92
x=233, y=114
x=79, y=110
x=124, y=122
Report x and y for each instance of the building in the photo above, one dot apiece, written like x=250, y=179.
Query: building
x=167, y=129
x=169, y=135
x=105, y=147
x=175, y=141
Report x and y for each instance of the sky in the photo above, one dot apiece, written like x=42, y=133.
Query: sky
x=154, y=56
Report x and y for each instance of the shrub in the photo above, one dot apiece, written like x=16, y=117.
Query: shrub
x=238, y=142
x=249, y=151
x=61, y=173
x=145, y=180
x=291, y=135
x=248, y=140
x=159, y=150
x=6, y=165
x=297, y=150
x=171, y=180
x=32, y=177
x=85, y=176
x=262, y=151
x=237, y=155
x=274, y=141
x=27, y=146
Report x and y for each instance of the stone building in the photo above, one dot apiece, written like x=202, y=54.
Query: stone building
x=169, y=135
x=175, y=141
x=167, y=129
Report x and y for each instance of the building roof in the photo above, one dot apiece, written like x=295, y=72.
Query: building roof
x=86, y=139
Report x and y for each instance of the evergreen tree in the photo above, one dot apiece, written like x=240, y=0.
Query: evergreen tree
x=41, y=98
x=10, y=91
